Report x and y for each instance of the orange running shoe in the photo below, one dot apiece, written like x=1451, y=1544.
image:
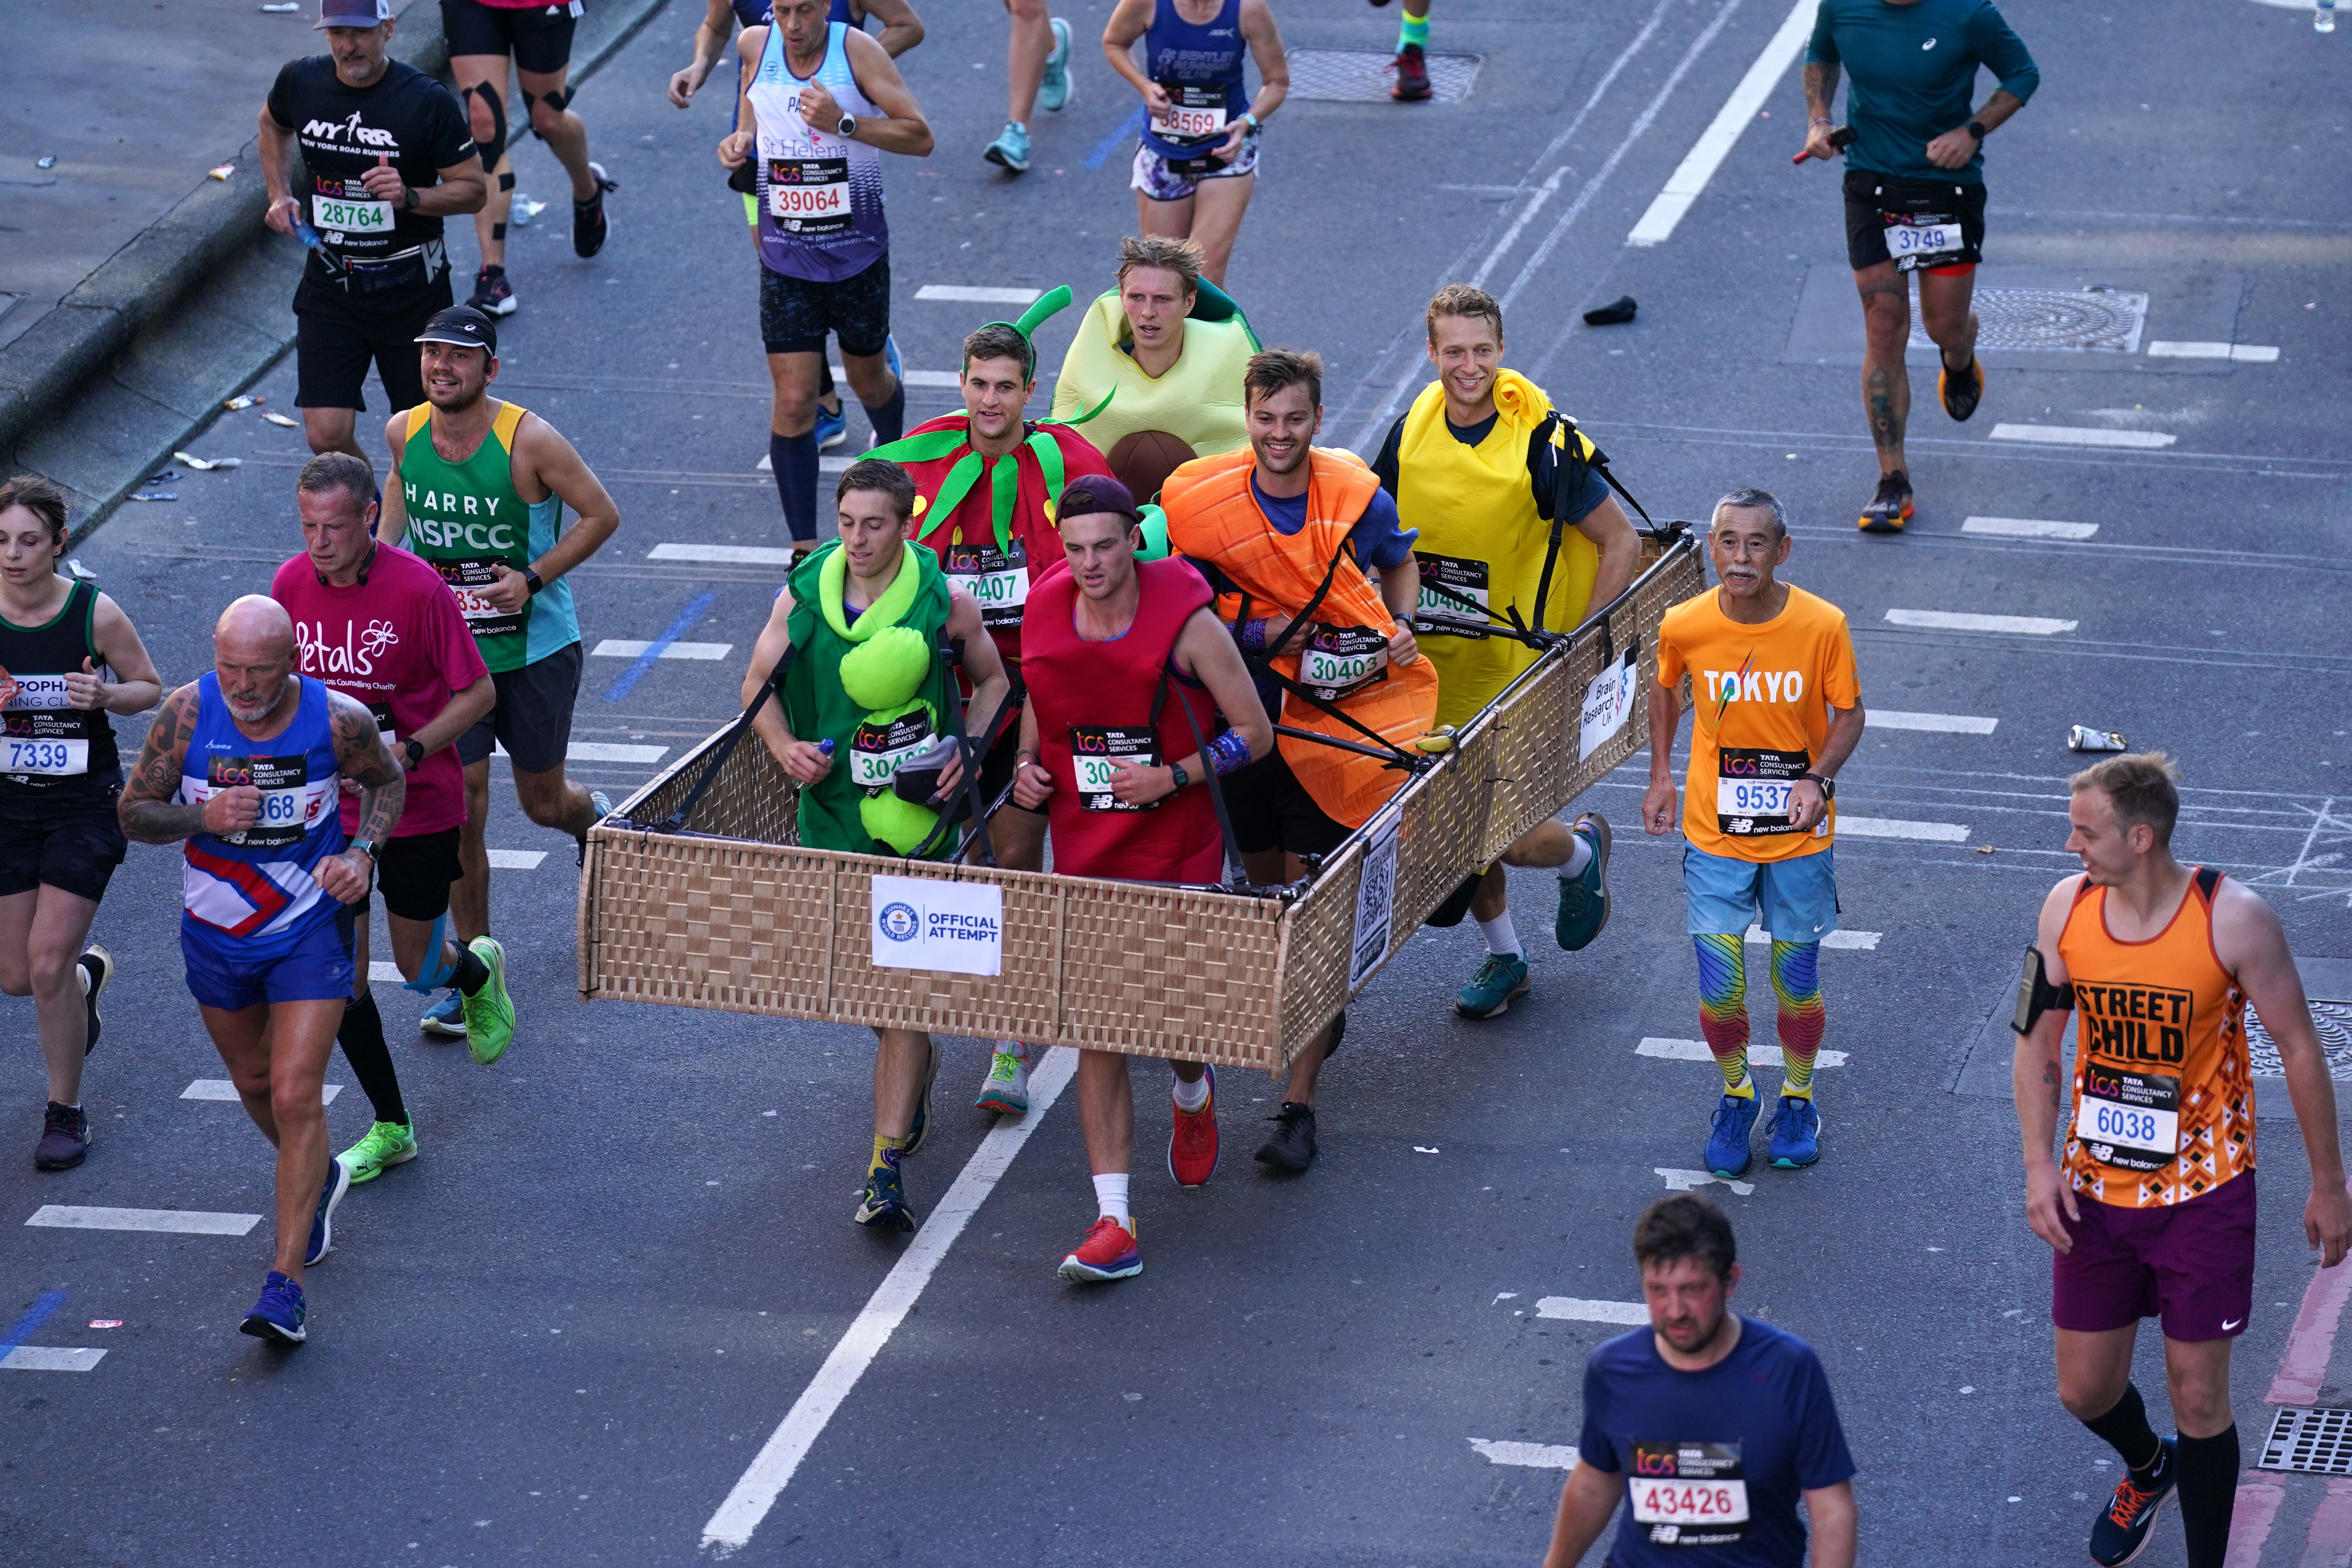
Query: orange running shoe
x=1108, y=1253
x=1192, y=1141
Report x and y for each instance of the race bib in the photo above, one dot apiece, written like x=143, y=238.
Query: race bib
x=1194, y=112
x=809, y=196
x=357, y=214
x=1341, y=661
x=875, y=750
x=1688, y=1494
x=466, y=578
x=997, y=581
x=1094, y=748
x=287, y=807
x=2129, y=1121
x=39, y=732
x=1752, y=790
x=1460, y=579
x=1921, y=239
x=50, y=758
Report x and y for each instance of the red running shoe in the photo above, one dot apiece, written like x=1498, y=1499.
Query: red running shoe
x=1412, y=68
x=1192, y=1141
x=1108, y=1253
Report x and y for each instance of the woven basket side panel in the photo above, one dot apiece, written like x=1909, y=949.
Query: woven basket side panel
x=702, y=923
x=753, y=799
x=1439, y=845
x=1322, y=938
x=1156, y=972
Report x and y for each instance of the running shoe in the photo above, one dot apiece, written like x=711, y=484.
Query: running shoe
x=1890, y=509
x=1010, y=150
x=922, y=1127
x=1584, y=898
x=1053, y=92
x=1292, y=1146
x=1192, y=1143
x=1961, y=392
x=1108, y=1253
x=832, y=427
x=278, y=1315
x=1727, y=1154
x=65, y=1138
x=322, y=1222
x=883, y=1205
x=890, y=357
x=489, y=1013
x=492, y=295
x=602, y=804
x=387, y=1143
x=97, y=968
x=446, y=1017
x=1500, y=978
x=1411, y=74
x=590, y=227
x=2120, y=1532
x=1005, y=1090
x=1796, y=1134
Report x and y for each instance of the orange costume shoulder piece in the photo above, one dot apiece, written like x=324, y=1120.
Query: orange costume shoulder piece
x=1342, y=653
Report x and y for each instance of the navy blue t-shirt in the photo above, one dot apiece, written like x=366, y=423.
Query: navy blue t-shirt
x=1716, y=1461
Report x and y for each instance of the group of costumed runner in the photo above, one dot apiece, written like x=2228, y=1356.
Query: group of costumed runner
x=1202, y=632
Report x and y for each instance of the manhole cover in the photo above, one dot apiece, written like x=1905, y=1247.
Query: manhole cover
x=2318, y=1442
x=2333, y=1022
x=1363, y=76
x=2100, y=320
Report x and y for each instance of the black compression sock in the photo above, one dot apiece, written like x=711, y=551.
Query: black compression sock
x=795, y=460
x=2208, y=1492
x=2124, y=1429
x=362, y=1038
x=888, y=419
x=471, y=974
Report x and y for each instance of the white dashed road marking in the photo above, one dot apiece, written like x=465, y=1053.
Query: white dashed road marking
x=595, y=752
x=965, y=294
x=174, y=1221
x=2244, y=353
x=2028, y=529
x=634, y=648
x=49, y=1358
x=1575, y=1310
x=2071, y=435
x=1894, y=828
x=1534, y=1455
x=1946, y=723
x=527, y=860
x=824, y=465
x=380, y=973
x=1960, y=620
x=1856, y=941
x=1759, y=1055
x=1691, y=1181
x=1706, y=154
x=222, y=1089
x=723, y=555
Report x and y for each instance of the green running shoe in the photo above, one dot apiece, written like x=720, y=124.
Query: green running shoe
x=387, y=1143
x=489, y=1013
x=1501, y=977
x=1584, y=898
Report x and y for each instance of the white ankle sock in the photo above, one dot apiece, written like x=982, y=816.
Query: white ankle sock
x=1110, y=1197
x=1502, y=937
x=1193, y=1095
x=1581, y=857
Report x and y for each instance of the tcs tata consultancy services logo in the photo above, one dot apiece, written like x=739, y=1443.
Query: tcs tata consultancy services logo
x=899, y=922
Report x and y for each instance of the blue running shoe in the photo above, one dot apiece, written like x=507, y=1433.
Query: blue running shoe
x=890, y=357
x=1053, y=91
x=2120, y=1532
x=278, y=1315
x=882, y=1205
x=1502, y=977
x=1796, y=1134
x=446, y=1019
x=922, y=1127
x=322, y=1223
x=832, y=427
x=1727, y=1154
x=1010, y=150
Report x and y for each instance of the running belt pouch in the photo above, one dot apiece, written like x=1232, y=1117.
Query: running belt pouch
x=1889, y=194
x=381, y=277
x=744, y=179
x=1458, y=902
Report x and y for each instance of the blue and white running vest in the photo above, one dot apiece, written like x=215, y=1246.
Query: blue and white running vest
x=820, y=195
x=255, y=885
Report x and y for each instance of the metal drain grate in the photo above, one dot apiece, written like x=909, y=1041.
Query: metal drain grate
x=1363, y=76
x=2317, y=1442
x=2097, y=321
x=2333, y=1022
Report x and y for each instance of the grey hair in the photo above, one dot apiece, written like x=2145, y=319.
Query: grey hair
x=1754, y=496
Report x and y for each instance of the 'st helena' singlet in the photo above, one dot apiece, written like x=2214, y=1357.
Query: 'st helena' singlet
x=820, y=195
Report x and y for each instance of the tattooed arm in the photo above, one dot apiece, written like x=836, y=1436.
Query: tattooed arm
x=147, y=811
x=361, y=757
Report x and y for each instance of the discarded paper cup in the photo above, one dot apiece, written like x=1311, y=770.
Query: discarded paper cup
x=2083, y=737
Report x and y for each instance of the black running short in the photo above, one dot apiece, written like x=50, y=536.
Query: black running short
x=796, y=313
x=414, y=873
x=68, y=842
x=538, y=36
x=1271, y=810
x=1870, y=195
x=532, y=718
x=996, y=768
x=337, y=336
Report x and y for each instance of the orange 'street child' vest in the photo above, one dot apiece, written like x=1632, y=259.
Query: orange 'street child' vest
x=1212, y=517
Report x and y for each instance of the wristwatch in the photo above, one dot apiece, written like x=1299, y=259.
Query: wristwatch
x=1176, y=771
x=1829, y=785
x=848, y=126
x=408, y=198
x=365, y=846
x=415, y=749
x=1976, y=128
x=531, y=581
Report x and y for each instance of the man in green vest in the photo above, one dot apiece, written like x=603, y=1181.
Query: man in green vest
x=866, y=692
x=479, y=487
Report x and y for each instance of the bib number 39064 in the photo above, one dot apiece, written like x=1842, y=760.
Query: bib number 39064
x=809, y=196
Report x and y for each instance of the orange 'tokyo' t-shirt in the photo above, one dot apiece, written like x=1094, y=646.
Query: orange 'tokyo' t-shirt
x=1761, y=697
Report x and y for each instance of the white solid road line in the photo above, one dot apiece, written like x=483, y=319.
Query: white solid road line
x=771, y=1470
x=49, y=1358
x=1691, y=1181
x=2244, y=353
x=2028, y=529
x=1534, y=1455
x=1894, y=828
x=964, y=294
x=1855, y=941
x=1960, y=620
x=220, y=1089
x=587, y=751
x=824, y=465
x=1759, y=1055
x=174, y=1221
x=1576, y=1310
x=1706, y=154
x=2071, y=435
x=1948, y=722
x=724, y=555
x=634, y=648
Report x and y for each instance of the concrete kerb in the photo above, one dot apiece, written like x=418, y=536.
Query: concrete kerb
x=157, y=297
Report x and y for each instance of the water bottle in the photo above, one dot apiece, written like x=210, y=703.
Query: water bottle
x=2323, y=17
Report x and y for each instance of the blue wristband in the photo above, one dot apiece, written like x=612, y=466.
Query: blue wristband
x=1249, y=635
x=1228, y=753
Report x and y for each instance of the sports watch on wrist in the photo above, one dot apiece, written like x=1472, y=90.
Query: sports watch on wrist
x=415, y=749
x=366, y=847
x=1828, y=785
x=408, y=198
x=1976, y=128
x=531, y=581
x=1176, y=771
x=848, y=126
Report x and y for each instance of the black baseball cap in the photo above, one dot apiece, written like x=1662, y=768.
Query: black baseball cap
x=464, y=326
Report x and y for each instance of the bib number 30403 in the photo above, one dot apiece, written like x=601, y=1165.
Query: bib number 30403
x=1341, y=661
x=1688, y=1494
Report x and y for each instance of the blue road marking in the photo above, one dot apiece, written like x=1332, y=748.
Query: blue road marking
x=34, y=1317
x=1132, y=126
x=627, y=682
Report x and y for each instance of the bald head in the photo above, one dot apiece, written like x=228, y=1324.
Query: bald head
x=252, y=655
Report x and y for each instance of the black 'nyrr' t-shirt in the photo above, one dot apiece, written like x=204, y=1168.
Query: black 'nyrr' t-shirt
x=404, y=116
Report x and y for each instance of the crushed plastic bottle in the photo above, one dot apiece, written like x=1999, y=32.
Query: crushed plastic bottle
x=526, y=207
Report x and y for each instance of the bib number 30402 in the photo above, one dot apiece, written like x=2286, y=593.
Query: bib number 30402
x=1688, y=1494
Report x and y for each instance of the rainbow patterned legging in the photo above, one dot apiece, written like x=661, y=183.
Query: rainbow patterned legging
x=1723, y=1008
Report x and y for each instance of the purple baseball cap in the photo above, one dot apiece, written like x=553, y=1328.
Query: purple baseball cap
x=352, y=14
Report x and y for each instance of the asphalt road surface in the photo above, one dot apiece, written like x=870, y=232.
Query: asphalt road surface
x=563, y=1332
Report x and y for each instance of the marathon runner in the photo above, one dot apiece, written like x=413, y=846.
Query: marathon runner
x=1037, y=73
x=478, y=490
x=378, y=625
x=68, y=656
x=901, y=31
x=270, y=894
x=383, y=155
x=1776, y=710
x=1111, y=643
x=1197, y=161
x=1412, y=62
x=1711, y=1427
x=1914, y=194
x=820, y=103
x=994, y=539
x=1281, y=529
x=1160, y=359
x=861, y=621
x=537, y=35
x=2154, y=1213
x=1481, y=470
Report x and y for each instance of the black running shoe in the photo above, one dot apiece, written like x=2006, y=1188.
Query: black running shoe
x=493, y=294
x=2121, y=1531
x=1961, y=390
x=97, y=968
x=1411, y=74
x=589, y=226
x=1292, y=1147
x=1890, y=509
x=65, y=1138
